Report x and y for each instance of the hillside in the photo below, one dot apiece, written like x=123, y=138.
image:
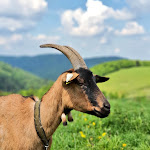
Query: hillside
x=49, y=66
x=128, y=78
x=112, y=66
x=14, y=79
x=131, y=82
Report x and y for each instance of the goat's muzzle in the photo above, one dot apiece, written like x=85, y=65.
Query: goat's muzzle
x=101, y=112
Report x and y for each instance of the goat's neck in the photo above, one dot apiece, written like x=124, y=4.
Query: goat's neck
x=51, y=109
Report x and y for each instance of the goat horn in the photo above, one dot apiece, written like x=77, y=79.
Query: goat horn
x=74, y=57
x=78, y=55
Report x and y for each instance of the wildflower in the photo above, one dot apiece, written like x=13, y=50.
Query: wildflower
x=99, y=137
x=124, y=145
x=82, y=134
x=89, y=121
x=91, y=139
x=88, y=126
x=85, y=119
x=93, y=123
x=104, y=134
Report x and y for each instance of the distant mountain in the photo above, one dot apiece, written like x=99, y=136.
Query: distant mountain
x=49, y=66
x=14, y=79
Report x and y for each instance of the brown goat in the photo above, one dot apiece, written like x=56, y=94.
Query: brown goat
x=74, y=89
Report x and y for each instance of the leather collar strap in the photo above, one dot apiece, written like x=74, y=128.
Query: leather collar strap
x=38, y=126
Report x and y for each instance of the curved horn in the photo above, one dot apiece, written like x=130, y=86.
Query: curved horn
x=78, y=55
x=74, y=57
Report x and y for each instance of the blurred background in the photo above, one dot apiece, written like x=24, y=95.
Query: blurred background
x=112, y=36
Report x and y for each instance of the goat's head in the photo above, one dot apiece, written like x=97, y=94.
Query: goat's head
x=80, y=86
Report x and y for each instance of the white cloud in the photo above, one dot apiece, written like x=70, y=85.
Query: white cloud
x=91, y=22
x=20, y=14
x=4, y=41
x=13, y=25
x=146, y=38
x=139, y=6
x=22, y=8
x=103, y=40
x=44, y=39
x=16, y=37
x=131, y=28
x=9, y=42
x=117, y=50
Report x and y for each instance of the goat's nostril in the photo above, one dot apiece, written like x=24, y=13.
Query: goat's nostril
x=107, y=105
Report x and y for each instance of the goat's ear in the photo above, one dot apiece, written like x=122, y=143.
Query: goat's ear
x=70, y=77
x=100, y=79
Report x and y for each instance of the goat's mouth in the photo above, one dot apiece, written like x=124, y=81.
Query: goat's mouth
x=99, y=114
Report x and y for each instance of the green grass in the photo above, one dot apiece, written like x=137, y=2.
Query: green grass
x=128, y=123
x=130, y=82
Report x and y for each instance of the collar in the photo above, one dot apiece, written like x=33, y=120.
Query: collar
x=38, y=126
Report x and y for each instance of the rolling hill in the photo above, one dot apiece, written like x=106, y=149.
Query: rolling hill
x=131, y=82
x=14, y=79
x=49, y=66
x=128, y=78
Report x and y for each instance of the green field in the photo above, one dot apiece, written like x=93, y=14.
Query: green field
x=130, y=82
x=128, y=125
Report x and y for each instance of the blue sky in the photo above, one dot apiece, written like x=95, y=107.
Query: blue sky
x=93, y=27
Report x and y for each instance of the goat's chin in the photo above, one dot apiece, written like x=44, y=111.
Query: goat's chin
x=97, y=113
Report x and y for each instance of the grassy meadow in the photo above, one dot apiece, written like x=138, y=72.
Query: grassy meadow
x=130, y=82
x=127, y=127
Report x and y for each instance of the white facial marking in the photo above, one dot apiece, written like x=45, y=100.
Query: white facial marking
x=69, y=76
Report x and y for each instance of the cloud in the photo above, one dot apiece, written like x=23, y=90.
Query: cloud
x=139, y=6
x=44, y=39
x=20, y=8
x=131, y=28
x=12, y=25
x=10, y=40
x=27, y=40
x=103, y=40
x=91, y=22
x=117, y=50
x=18, y=14
x=146, y=38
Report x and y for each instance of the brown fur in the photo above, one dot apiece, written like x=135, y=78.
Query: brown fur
x=17, y=130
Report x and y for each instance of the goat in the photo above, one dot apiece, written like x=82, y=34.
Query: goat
x=23, y=120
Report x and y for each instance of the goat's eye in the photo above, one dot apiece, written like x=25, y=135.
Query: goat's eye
x=80, y=84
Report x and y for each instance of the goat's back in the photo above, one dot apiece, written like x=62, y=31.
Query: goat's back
x=16, y=122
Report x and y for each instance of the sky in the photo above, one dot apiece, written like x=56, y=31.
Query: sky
x=94, y=28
